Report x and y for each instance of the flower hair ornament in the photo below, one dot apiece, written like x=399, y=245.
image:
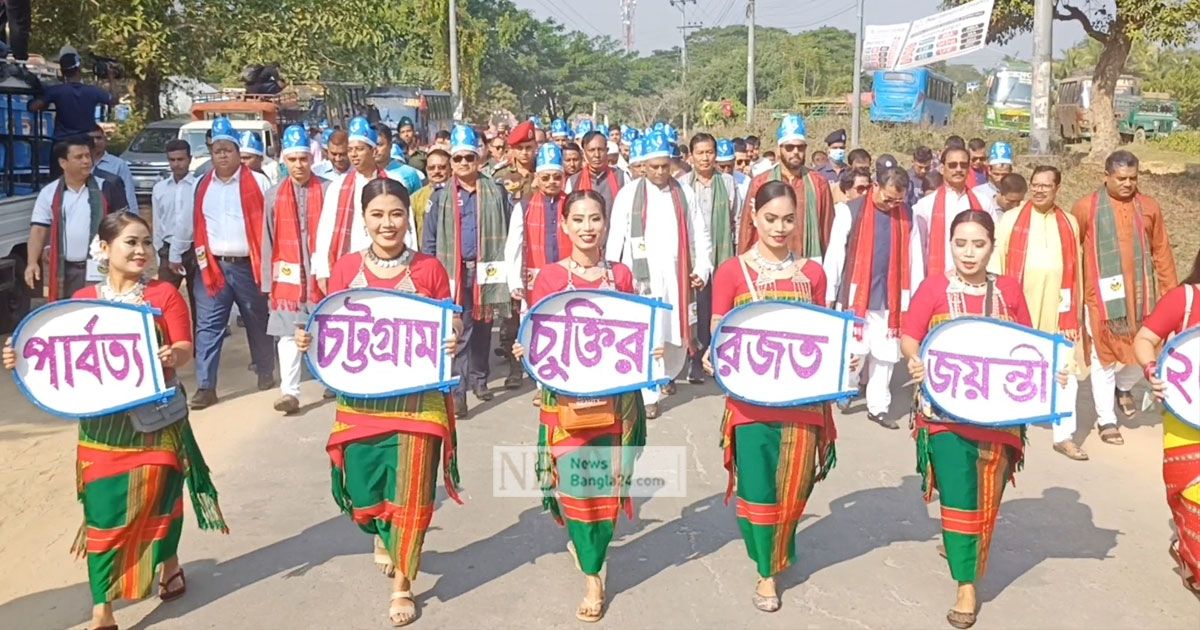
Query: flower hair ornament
x=97, y=253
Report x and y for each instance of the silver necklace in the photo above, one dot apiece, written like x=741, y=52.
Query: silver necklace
x=389, y=263
x=772, y=266
x=135, y=295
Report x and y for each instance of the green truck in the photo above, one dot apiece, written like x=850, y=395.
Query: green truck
x=1152, y=115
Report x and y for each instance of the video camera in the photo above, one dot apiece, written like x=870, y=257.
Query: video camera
x=107, y=68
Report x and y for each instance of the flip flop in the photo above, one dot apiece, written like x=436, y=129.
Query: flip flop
x=584, y=612
x=960, y=620
x=167, y=595
x=399, y=616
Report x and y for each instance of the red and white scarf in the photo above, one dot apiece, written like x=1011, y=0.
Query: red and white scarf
x=856, y=282
x=937, y=230
x=1018, y=252
x=535, y=234
x=345, y=215
x=293, y=284
x=252, y=217
x=97, y=208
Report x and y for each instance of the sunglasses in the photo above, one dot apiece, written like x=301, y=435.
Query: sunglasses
x=743, y=162
x=498, y=145
x=862, y=189
x=466, y=157
x=957, y=165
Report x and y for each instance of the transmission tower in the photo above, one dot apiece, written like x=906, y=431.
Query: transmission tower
x=627, y=7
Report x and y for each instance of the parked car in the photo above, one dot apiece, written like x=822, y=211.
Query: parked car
x=1155, y=115
x=147, y=155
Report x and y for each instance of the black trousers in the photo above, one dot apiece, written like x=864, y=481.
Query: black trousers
x=471, y=359
x=74, y=278
x=16, y=15
x=190, y=274
x=703, y=329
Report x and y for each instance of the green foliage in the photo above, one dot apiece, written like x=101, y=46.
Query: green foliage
x=1183, y=142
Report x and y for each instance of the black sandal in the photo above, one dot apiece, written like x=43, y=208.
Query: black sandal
x=168, y=595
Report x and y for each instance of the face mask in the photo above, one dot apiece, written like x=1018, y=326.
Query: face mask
x=838, y=155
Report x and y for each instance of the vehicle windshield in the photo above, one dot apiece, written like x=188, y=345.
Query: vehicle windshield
x=195, y=138
x=1010, y=89
x=154, y=140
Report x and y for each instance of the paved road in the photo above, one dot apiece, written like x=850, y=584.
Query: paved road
x=1079, y=545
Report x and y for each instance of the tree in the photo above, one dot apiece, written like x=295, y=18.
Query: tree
x=1116, y=27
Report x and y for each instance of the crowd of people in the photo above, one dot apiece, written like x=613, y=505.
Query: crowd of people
x=498, y=221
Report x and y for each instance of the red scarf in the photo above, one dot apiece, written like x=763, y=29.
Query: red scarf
x=97, y=206
x=287, y=257
x=252, y=217
x=857, y=282
x=535, y=234
x=937, y=231
x=345, y=215
x=1018, y=250
x=585, y=182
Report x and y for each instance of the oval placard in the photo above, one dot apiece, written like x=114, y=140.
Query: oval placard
x=593, y=342
x=80, y=359
x=1179, y=368
x=995, y=373
x=375, y=343
x=777, y=353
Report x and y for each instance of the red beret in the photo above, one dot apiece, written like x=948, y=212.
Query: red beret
x=522, y=133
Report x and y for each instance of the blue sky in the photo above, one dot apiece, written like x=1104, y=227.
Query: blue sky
x=656, y=21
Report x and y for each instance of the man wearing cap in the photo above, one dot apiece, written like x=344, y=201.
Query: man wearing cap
x=934, y=213
x=597, y=175
x=726, y=158
x=337, y=153
x=255, y=157
x=391, y=158
x=717, y=199
x=560, y=132
x=66, y=215
x=1000, y=163
x=466, y=228
x=517, y=175
x=437, y=163
x=226, y=233
x=342, y=228
x=74, y=101
x=636, y=161
x=836, y=142
x=872, y=267
x=658, y=229
x=292, y=209
x=408, y=133
x=814, y=205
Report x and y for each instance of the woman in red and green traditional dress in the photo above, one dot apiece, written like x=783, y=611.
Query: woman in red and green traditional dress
x=590, y=516
x=774, y=455
x=386, y=451
x=967, y=464
x=1178, y=311
x=130, y=482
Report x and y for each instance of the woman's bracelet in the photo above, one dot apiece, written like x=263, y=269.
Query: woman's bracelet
x=1150, y=369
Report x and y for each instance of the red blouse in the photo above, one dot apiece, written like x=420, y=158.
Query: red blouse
x=1168, y=314
x=730, y=290
x=173, y=324
x=553, y=278
x=428, y=275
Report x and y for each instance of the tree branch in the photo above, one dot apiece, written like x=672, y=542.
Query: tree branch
x=1071, y=13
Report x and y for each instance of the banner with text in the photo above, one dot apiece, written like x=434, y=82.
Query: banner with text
x=783, y=354
x=81, y=359
x=593, y=343
x=1179, y=368
x=946, y=35
x=373, y=343
x=995, y=373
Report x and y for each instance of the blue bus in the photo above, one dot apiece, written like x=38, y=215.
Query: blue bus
x=919, y=96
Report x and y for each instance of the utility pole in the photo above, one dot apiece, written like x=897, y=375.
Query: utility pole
x=750, y=96
x=856, y=107
x=455, y=92
x=1043, y=34
x=683, y=31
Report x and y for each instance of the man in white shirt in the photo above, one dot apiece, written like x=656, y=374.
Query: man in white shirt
x=226, y=233
x=114, y=165
x=933, y=214
x=647, y=207
x=337, y=156
x=66, y=215
x=171, y=207
x=1000, y=163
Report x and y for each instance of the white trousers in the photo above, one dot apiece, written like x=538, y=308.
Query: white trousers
x=1064, y=429
x=1106, y=378
x=674, y=358
x=879, y=354
x=879, y=384
x=289, y=367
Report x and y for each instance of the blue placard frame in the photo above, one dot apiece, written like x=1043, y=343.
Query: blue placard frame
x=849, y=320
x=650, y=382
x=162, y=394
x=1061, y=344
x=1171, y=344
x=445, y=383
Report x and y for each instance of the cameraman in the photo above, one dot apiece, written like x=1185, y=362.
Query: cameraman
x=74, y=101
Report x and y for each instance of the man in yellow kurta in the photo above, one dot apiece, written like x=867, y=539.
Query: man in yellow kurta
x=1039, y=245
x=1127, y=267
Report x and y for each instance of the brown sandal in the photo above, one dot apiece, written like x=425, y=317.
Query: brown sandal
x=1126, y=403
x=1111, y=435
x=167, y=595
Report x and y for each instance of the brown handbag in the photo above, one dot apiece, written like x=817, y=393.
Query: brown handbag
x=578, y=414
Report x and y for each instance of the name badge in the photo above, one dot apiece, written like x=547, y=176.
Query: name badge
x=93, y=271
x=638, y=246
x=201, y=257
x=1112, y=288
x=490, y=273
x=1064, y=301
x=693, y=317
x=287, y=273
